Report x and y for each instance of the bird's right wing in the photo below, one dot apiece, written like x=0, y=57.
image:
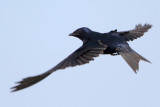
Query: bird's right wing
x=135, y=33
x=81, y=56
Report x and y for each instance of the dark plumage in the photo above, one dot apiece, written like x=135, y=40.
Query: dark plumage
x=94, y=44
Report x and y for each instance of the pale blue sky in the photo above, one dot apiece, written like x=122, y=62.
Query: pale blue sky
x=34, y=38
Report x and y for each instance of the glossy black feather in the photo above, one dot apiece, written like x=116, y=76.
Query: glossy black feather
x=94, y=44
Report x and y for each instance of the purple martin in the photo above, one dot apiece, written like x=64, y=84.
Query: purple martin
x=94, y=44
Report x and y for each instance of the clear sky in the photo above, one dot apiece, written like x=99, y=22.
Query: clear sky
x=34, y=38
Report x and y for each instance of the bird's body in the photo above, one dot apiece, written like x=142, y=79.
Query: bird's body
x=94, y=44
x=112, y=41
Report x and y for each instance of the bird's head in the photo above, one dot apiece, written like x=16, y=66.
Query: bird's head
x=81, y=33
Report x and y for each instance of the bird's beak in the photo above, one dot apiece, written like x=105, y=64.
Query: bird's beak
x=71, y=34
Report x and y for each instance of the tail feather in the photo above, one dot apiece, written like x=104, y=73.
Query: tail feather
x=131, y=62
x=132, y=58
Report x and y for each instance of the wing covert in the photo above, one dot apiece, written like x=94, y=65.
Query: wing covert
x=81, y=56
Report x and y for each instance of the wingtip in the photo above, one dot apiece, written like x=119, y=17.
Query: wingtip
x=146, y=25
x=15, y=88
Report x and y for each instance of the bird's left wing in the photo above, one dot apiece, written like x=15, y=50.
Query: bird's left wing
x=137, y=32
x=81, y=56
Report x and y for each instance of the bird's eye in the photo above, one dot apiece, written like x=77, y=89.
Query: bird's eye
x=79, y=31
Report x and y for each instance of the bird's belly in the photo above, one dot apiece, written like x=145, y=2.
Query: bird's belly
x=109, y=50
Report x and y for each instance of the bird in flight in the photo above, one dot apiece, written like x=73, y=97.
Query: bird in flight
x=94, y=44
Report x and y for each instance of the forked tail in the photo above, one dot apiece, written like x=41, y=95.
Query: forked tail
x=131, y=57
